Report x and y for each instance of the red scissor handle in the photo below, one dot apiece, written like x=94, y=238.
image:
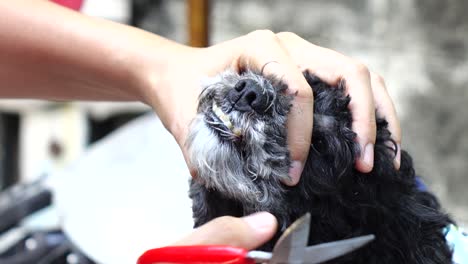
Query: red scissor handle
x=196, y=254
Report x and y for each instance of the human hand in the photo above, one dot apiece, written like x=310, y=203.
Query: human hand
x=248, y=232
x=176, y=105
x=367, y=90
x=118, y=62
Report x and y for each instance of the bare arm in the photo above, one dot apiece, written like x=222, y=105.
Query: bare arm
x=50, y=52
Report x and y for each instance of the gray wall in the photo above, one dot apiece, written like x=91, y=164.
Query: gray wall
x=419, y=46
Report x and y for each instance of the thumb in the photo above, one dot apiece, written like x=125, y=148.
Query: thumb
x=248, y=232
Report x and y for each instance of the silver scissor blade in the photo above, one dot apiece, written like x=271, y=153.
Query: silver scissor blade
x=290, y=246
x=326, y=251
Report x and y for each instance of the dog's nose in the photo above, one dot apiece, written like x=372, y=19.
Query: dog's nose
x=248, y=95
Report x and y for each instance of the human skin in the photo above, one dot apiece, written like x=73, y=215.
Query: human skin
x=49, y=52
x=247, y=232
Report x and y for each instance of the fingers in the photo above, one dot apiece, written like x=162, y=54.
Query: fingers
x=268, y=48
x=386, y=109
x=358, y=86
x=291, y=56
x=299, y=124
x=247, y=232
x=367, y=92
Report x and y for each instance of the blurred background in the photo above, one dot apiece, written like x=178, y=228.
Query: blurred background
x=419, y=47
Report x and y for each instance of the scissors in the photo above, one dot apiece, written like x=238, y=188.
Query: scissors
x=290, y=248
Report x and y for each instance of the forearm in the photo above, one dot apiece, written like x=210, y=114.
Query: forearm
x=49, y=52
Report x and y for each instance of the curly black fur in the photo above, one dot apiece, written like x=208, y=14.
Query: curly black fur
x=343, y=202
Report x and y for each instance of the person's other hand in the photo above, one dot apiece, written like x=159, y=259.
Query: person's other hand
x=248, y=232
x=285, y=55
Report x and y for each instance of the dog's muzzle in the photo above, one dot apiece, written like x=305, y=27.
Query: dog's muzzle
x=248, y=95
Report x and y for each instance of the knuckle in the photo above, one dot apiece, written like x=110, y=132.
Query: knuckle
x=367, y=131
x=309, y=93
x=299, y=146
x=373, y=132
x=304, y=94
x=287, y=35
x=359, y=68
x=227, y=224
x=373, y=125
x=396, y=133
x=233, y=230
x=378, y=79
x=264, y=34
x=398, y=136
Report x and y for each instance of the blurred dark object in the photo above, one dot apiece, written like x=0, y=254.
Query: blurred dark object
x=153, y=16
x=142, y=8
x=9, y=131
x=21, y=200
x=43, y=247
x=166, y=18
x=99, y=128
x=37, y=246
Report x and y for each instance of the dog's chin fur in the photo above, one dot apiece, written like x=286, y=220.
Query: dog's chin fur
x=239, y=175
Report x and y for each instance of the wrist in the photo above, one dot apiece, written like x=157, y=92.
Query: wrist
x=159, y=61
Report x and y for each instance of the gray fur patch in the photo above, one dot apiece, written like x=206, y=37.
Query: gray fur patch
x=249, y=165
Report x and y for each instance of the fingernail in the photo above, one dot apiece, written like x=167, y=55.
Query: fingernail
x=261, y=221
x=397, y=160
x=295, y=172
x=368, y=155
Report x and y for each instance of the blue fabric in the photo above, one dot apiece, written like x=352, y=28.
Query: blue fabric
x=458, y=241
x=456, y=238
x=420, y=184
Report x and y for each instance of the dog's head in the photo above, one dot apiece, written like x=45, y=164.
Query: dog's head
x=237, y=142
